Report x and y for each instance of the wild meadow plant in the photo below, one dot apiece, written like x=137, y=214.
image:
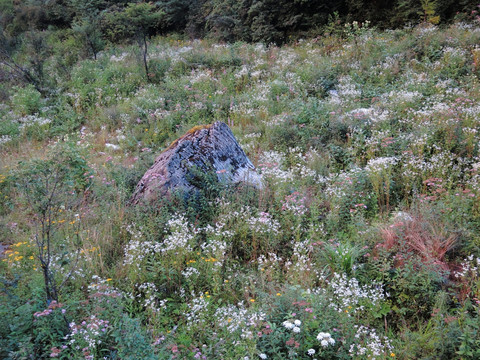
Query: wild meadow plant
x=362, y=242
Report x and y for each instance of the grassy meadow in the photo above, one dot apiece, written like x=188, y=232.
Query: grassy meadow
x=364, y=242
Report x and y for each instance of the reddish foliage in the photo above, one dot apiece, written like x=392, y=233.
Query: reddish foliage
x=418, y=236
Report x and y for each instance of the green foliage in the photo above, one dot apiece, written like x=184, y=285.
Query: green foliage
x=50, y=187
x=158, y=70
x=341, y=258
x=346, y=129
x=470, y=337
x=176, y=14
x=23, y=331
x=132, y=342
x=68, y=165
x=226, y=19
x=27, y=100
x=88, y=31
x=136, y=19
x=428, y=7
x=36, y=51
x=413, y=286
x=200, y=205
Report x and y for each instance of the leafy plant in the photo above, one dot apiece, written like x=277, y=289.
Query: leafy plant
x=27, y=100
x=52, y=190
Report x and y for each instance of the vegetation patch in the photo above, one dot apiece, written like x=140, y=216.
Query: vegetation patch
x=362, y=243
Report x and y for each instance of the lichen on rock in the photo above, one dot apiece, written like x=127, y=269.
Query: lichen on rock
x=203, y=148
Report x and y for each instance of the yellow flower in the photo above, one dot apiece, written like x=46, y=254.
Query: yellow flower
x=109, y=279
x=229, y=320
x=392, y=354
x=278, y=294
x=252, y=300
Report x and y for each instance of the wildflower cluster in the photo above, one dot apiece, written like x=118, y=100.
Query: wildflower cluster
x=295, y=203
x=350, y=297
x=325, y=339
x=295, y=326
x=86, y=336
x=51, y=307
x=367, y=216
x=369, y=343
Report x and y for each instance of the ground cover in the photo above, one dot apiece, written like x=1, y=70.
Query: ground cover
x=363, y=243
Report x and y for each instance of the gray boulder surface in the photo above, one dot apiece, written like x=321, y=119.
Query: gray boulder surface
x=203, y=148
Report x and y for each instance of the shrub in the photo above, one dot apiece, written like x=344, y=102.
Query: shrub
x=52, y=190
x=26, y=100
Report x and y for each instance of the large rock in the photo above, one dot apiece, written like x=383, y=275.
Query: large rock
x=203, y=148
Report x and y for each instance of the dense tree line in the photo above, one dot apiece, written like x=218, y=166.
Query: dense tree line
x=226, y=20
x=31, y=31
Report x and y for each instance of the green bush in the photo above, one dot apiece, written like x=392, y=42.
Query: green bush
x=26, y=100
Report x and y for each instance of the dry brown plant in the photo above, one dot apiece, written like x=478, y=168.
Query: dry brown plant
x=429, y=241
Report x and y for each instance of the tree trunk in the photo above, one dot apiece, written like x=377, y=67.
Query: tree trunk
x=145, y=49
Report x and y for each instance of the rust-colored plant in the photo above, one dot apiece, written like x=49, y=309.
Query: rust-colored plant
x=418, y=235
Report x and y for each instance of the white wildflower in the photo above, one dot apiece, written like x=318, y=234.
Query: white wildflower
x=288, y=325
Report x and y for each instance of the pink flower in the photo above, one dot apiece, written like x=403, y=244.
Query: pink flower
x=45, y=312
x=55, y=352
